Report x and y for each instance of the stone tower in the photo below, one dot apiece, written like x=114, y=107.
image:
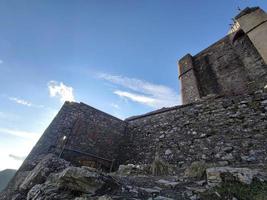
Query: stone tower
x=188, y=80
x=236, y=64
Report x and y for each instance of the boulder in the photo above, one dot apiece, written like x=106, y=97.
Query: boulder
x=83, y=179
x=167, y=183
x=105, y=197
x=49, y=192
x=49, y=164
x=130, y=169
x=216, y=175
x=161, y=198
x=74, y=182
x=127, y=169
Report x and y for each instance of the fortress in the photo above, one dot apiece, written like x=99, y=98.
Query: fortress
x=223, y=119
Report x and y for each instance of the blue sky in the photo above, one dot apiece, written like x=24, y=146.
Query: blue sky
x=118, y=56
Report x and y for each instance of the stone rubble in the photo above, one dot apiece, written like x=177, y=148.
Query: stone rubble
x=243, y=175
x=67, y=182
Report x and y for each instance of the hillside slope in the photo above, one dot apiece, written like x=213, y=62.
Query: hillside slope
x=5, y=177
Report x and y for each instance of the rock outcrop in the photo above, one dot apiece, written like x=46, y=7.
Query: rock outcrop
x=73, y=182
x=49, y=164
x=55, y=179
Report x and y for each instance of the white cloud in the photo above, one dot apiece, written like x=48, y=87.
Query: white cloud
x=24, y=102
x=1, y=61
x=20, y=101
x=135, y=97
x=19, y=133
x=60, y=90
x=150, y=94
x=20, y=158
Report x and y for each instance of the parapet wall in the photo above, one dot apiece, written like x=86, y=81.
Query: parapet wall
x=229, y=129
x=94, y=138
x=80, y=131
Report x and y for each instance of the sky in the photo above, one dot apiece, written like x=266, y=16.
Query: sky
x=119, y=56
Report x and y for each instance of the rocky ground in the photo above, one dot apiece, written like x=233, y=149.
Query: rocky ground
x=55, y=179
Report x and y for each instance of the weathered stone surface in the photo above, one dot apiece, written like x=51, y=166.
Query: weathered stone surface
x=220, y=130
x=167, y=183
x=232, y=65
x=125, y=170
x=78, y=179
x=49, y=164
x=73, y=182
x=243, y=175
x=105, y=197
x=49, y=192
x=161, y=198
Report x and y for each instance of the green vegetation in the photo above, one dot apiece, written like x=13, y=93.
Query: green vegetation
x=197, y=169
x=5, y=177
x=255, y=191
x=254, y=105
x=159, y=167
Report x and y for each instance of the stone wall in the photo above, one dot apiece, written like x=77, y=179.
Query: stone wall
x=94, y=135
x=80, y=134
x=228, y=130
x=230, y=66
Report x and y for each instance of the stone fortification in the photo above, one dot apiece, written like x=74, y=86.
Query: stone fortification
x=80, y=131
x=236, y=64
x=219, y=134
x=80, y=134
x=227, y=132
x=230, y=130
